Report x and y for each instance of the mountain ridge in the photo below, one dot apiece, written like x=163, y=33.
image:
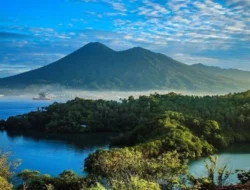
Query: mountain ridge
x=98, y=67
x=217, y=67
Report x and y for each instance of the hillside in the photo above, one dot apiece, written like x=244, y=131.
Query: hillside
x=235, y=74
x=97, y=67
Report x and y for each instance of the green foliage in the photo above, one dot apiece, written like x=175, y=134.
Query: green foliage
x=27, y=176
x=167, y=133
x=216, y=176
x=160, y=132
x=69, y=180
x=6, y=170
x=243, y=176
x=97, y=187
x=134, y=183
x=122, y=164
x=190, y=124
x=4, y=184
x=5, y=166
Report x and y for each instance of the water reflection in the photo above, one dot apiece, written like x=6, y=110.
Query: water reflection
x=78, y=142
x=53, y=153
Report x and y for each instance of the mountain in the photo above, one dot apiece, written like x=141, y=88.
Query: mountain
x=96, y=66
x=235, y=74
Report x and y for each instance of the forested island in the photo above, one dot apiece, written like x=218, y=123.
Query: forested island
x=158, y=135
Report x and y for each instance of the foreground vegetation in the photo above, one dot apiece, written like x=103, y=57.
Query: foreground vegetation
x=126, y=172
x=159, y=134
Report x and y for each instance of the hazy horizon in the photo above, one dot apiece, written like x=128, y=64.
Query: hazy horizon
x=58, y=92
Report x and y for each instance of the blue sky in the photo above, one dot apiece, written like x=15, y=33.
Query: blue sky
x=212, y=32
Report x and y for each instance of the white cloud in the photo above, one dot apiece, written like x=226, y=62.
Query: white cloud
x=13, y=69
x=174, y=27
x=115, y=4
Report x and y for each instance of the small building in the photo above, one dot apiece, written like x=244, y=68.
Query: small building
x=84, y=126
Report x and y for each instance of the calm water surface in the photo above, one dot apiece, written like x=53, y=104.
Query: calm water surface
x=236, y=157
x=48, y=153
x=13, y=106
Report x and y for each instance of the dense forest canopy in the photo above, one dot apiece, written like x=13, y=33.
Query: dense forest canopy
x=213, y=120
x=158, y=135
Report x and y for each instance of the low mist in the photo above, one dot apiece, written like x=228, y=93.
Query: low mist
x=58, y=92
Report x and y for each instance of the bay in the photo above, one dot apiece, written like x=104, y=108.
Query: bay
x=53, y=153
x=236, y=157
x=48, y=153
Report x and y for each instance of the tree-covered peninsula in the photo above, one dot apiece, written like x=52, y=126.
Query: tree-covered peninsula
x=158, y=134
x=218, y=120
